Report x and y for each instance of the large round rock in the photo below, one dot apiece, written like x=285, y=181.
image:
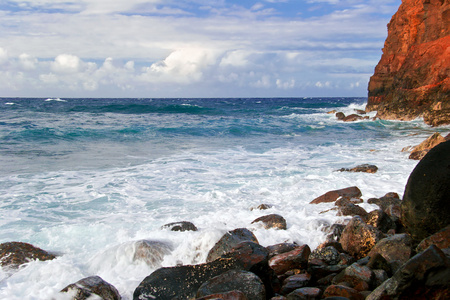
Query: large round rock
x=426, y=201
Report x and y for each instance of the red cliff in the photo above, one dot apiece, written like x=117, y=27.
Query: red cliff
x=412, y=78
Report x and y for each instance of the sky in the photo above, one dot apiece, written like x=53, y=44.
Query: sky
x=190, y=48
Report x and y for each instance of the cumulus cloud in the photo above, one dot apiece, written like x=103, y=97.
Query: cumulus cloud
x=66, y=63
x=3, y=55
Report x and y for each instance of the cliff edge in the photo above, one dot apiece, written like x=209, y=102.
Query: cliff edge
x=412, y=78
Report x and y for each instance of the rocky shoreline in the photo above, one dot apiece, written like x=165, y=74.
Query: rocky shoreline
x=399, y=251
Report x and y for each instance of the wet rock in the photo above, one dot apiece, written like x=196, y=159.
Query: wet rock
x=92, y=287
x=378, y=262
x=342, y=291
x=349, y=209
x=151, y=252
x=262, y=207
x=328, y=254
x=232, y=295
x=358, y=238
x=425, y=206
x=306, y=293
x=361, y=278
x=380, y=276
x=244, y=281
x=440, y=239
x=295, y=259
x=229, y=241
x=397, y=247
x=424, y=276
x=386, y=201
x=321, y=271
x=335, y=232
x=331, y=196
x=281, y=248
x=352, y=118
x=295, y=282
x=366, y=168
x=272, y=221
x=14, y=254
x=340, y=116
x=419, y=151
x=180, y=226
x=379, y=219
x=181, y=282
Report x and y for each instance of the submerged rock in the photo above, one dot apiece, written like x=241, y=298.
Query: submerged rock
x=180, y=226
x=366, y=168
x=14, y=254
x=91, y=288
x=272, y=221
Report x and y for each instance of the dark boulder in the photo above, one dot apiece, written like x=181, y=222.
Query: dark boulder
x=306, y=293
x=295, y=282
x=342, y=291
x=244, y=281
x=426, y=200
x=181, y=282
x=14, y=254
x=340, y=115
x=440, y=239
x=328, y=254
x=228, y=241
x=331, y=196
x=92, y=287
x=272, y=221
x=379, y=219
x=424, y=276
x=295, y=259
x=180, y=226
x=233, y=295
x=397, y=247
x=361, y=278
x=281, y=248
x=352, y=118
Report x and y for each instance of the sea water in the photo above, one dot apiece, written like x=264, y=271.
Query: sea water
x=85, y=178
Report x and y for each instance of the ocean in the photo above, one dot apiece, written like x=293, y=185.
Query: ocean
x=86, y=178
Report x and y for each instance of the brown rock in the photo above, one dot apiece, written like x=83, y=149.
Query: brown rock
x=358, y=238
x=249, y=254
x=440, y=239
x=306, y=293
x=342, y=291
x=295, y=259
x=281, y=248
x=272, y=221
x=14, y=254
x=92, y=287
x=424, y=276
x=295, y=282
x=360, y=277
x=352, y=118
x=379, y=219
x=397, y=247
x=331, y=196
x=419, y=151
x=340, y=116
x=228, y=241
x=378, y=262
x=262, y=207
x=411, y=79
x=350, y=209
x=232, y=295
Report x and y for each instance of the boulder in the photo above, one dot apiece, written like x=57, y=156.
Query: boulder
x=378, y=262
x=14, y=254
x=180, y=226
x=331, y=196
x=352, y=118
x=228, y=241
x=342, y=291
x=90, y=288
x=295, y=259
x=151, y=252
x=272, y=221
x=249, y=254
x=361, y=278
x=424, y=276
x=244, y=281
x=306, y=293
x=295, y=282
x=426, y=201
x=379, y=219
x=366, y=168
x=358, y=238
x=335, y=232
x=397, y=247
x=349, y=209
x=440, y=239
x=419, y=151
x=340, y=116
x=327, y=254
x=181, y=282
x=281, y=248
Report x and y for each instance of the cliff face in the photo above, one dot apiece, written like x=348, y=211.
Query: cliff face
x=412, y=78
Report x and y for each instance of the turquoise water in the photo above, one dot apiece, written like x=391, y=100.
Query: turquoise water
x=85, y=178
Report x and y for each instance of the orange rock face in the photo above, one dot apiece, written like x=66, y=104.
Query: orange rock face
x=412, y=78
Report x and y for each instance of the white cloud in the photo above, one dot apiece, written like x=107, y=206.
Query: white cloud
x=3, y=55
x=66, y=63
x=27, y=61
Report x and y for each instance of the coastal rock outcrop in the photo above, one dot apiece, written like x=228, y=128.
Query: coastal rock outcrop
x=14, y=254
x=412, y=78
x=425, y=205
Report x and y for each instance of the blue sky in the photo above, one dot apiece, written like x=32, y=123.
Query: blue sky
x=190, y=48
